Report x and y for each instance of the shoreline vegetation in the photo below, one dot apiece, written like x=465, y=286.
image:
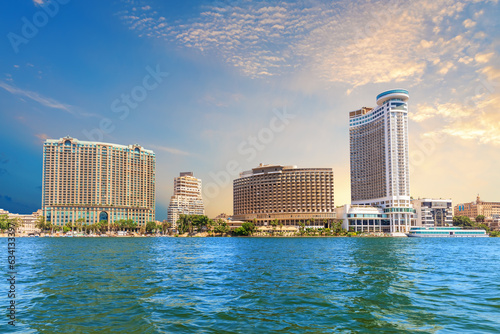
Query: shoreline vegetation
x=201, y=226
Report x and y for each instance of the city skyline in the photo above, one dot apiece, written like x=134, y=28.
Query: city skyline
x=247, y=84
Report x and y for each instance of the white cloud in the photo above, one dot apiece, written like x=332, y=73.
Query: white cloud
x=45, y=101
x=169, y=150
x=353, y=43
x=469, y=23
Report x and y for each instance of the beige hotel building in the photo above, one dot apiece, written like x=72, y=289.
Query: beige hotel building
x=286, y=193
x=97, y=181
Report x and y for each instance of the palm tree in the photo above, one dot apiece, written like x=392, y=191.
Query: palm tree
x=165, y=225
x=131, y=225
x=50, y=226
x=79, y=223
x=302, y=227
x=40, y=223
x=184, y=224
x=274, y=223
x=4, y=222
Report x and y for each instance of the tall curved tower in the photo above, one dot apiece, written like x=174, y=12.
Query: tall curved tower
x=379, y=158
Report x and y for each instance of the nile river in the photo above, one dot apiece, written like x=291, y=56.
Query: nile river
x=255, y=285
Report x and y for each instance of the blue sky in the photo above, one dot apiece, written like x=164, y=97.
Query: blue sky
x=250, y=82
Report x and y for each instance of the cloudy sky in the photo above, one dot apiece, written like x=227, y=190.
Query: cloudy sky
x=219, y=87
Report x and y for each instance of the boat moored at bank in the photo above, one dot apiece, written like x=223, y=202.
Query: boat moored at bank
x=446, y=232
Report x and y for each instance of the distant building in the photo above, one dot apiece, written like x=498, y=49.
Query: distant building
x=286, y=193
x=433, y=212
x=363, y=218
x=479, y=207
x=222, y=216
x=379, y=155
x=97, y=181
x=187, y=198
x=27, y=222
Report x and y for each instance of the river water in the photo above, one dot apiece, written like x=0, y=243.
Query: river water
x=255, y=285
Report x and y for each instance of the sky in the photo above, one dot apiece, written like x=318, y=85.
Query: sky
x=217, y=87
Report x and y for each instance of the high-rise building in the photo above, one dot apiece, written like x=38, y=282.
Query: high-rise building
x=187, y=198
x=286, y=193
x=433, y=212
x=97, y=181
x=380, y=173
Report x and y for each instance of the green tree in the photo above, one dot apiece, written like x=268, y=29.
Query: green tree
x=274, y=223
x=50, y=227
x=221, y=227
x=201, y=222
x=40, y=223
x=480, y=219
x=462, y=221
x=495, y=234
x=246, y=229
x=79, y=223
x=103, y=226
x=165, y=226
x=484, y=227
x=183, y=224
x=4, y=222
x=131, y=225
x=150, y=226
x=302, y=227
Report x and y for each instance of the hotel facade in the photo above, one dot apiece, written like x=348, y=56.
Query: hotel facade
x=27, y=222
x=379, y=159
x=479, y=207
x=187, y=198
x=286, y=193
x=96, y=181
x=433, y=212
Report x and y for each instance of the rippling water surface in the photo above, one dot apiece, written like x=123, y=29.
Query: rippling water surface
x=256, y=285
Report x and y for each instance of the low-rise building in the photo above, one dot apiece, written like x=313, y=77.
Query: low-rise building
x=479, y=207
x=27, y=223
x=433, y=212
x=363, y=218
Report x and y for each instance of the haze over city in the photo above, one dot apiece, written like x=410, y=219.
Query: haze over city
x=218, y=88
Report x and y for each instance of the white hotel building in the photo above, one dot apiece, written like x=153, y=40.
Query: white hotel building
x=379, y=158
x=187, y=198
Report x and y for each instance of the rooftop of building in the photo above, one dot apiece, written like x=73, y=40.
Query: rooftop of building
x=83, y=142
x=271, y=169
x=397, y=93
